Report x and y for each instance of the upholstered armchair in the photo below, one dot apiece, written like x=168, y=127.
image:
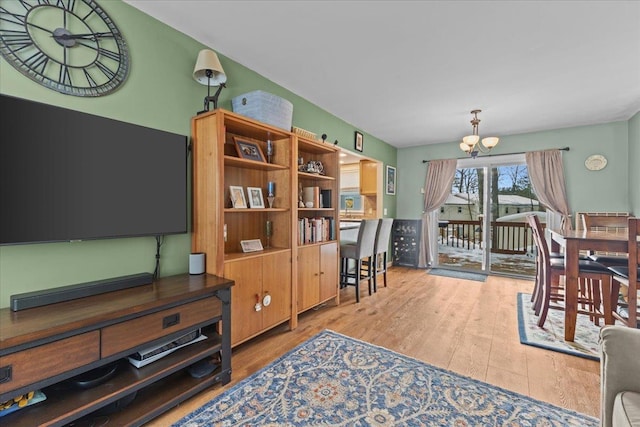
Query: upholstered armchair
x=620, y=376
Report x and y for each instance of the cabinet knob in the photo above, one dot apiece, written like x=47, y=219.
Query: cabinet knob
x=266, y=301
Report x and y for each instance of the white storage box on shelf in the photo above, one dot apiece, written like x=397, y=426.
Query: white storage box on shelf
x=264, y=107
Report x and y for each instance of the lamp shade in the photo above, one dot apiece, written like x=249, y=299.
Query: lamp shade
x=471, y=140
x=208, y=60
x=490, y=141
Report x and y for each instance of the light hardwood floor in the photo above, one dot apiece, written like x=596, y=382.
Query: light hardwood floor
x=467, y=327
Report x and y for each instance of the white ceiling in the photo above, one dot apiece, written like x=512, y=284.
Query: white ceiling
x=409, y=72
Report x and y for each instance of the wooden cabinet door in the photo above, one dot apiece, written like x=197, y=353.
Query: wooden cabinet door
x=328, y=271
x=276, y=282
x=368, y=177
x=245, y=320
x=308, y=277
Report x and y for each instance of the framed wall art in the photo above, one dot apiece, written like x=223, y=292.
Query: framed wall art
x=237, y=197
x=255, y=197
x=248, y=150
x=390, y=181
x=359, y=142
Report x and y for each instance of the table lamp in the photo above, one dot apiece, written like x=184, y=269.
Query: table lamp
x=208, y=71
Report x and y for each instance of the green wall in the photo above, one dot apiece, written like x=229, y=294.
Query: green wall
x=605, y=190
x=159, y=93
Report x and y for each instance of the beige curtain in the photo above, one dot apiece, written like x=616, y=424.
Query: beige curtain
x=547, y=178
x=437, y=186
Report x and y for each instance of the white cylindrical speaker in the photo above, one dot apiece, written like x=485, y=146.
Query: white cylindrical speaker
x=196, y=263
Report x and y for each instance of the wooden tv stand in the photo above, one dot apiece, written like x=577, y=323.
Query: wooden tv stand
x=44, y=346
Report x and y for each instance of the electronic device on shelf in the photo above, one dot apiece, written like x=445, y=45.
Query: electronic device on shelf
x=151, y=354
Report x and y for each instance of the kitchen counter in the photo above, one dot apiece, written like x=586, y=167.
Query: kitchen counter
x=349, y=224
x=349, y=230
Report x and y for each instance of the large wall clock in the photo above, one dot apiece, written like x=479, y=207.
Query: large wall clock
x=70, y=46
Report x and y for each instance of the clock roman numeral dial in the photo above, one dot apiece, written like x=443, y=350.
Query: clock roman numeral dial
x=90, y=80
x=17, y=40
x=38, y=62
x=64, y=76
x=12, y=18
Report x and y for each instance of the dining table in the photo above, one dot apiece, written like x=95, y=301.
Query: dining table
x=572, y=242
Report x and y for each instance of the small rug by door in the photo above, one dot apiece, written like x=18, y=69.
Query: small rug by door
x=551, y=337
x=335, y=380
x=464, y=275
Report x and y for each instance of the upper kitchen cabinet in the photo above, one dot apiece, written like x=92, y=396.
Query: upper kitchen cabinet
x=368, y=177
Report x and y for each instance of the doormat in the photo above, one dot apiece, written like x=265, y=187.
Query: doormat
x=464, y=275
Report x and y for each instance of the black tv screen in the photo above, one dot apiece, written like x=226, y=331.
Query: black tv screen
x=67, y=175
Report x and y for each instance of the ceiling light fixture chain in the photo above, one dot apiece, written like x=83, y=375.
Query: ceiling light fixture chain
x=471, y=144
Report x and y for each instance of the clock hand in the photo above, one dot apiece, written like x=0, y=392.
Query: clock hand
x=88, y=36
x=39, y=27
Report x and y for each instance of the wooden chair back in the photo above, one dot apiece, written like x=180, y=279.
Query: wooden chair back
x=634, y=249
x=605, y=222
x=539, y=238
x=634, y=266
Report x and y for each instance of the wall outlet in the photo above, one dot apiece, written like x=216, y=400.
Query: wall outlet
x=422, y=190
x=384, y=211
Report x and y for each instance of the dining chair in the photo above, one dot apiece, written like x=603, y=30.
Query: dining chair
x=603, y=222
x=381, y=248
x=595, y=282
x=361, y=250
x=626, y=278
x=536, y=295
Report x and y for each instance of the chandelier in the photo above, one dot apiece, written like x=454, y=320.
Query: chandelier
x=472, y=145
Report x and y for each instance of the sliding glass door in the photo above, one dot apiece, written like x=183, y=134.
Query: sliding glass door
x=482, y=225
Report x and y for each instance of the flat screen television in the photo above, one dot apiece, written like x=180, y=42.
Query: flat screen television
x=71, y=176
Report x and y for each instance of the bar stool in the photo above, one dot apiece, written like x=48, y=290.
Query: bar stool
x=381, y=247
x=363, y=248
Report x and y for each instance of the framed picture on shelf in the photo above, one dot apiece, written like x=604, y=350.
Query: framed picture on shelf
x=255, y=197
x=237, y=197
x=359, y=142
x=390, y=181
x=248, y=150
x=253, y=245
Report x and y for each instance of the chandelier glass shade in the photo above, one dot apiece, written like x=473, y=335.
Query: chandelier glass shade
x=472, y=145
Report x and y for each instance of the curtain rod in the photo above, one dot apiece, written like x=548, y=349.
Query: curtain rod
x=498, y=155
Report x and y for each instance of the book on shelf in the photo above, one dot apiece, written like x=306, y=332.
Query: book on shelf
x=314, y=230
x=325, y=198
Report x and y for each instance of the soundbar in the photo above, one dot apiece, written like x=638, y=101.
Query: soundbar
x=80, y=290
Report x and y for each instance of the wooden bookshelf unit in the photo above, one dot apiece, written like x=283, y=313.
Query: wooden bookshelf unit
x=273, y=285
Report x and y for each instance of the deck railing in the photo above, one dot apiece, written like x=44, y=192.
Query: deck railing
x=506, y=237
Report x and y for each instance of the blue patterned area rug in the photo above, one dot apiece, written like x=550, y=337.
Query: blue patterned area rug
x=335, y=380
x=551, y=337
x=465, y=275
